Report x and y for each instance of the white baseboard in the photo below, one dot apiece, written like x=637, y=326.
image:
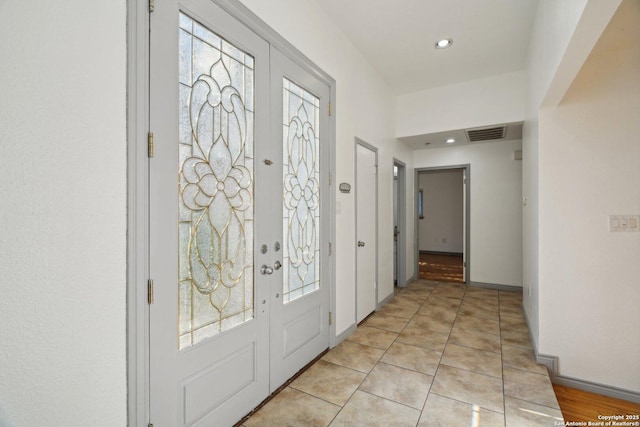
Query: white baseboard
x=509, y=288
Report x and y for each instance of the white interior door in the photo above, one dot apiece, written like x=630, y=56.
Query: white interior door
x=209, y=114
x=300, y=295
x=366, y=217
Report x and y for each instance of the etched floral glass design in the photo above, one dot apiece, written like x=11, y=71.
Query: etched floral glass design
x=215, y=184
x=301, y=174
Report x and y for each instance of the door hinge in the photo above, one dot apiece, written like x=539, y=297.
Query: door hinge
x=330, y=318
x=465, y=264
x=330, y=178
x=330, y=248
x=150, y=291
x=330, y=109
x=150, y=144
x=152, y=7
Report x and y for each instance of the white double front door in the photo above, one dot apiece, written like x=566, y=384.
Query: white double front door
x=238, y=217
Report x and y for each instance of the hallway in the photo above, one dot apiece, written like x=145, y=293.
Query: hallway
x=437, y=354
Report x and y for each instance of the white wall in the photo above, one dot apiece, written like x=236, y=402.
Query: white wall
x=589, y=159
x=496, y=212
x=557, y=46
x=488, y=101
x=63, y=213
x=365, y=109
x=441, y=229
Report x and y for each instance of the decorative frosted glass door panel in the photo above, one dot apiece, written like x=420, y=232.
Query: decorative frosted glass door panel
x=209, y=112
x=300, y=299
x=216, y=183
x=301, y=176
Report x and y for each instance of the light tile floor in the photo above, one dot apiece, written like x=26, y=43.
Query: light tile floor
x=438, y=354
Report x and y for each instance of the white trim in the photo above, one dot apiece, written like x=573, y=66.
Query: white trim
x=137, y=212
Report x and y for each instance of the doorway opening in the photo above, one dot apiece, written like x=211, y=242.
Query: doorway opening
x=442, y=223
x=399, y=223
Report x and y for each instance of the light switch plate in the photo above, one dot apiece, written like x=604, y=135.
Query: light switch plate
x=624, y=223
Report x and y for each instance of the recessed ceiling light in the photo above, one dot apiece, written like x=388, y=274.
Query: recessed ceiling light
x=450, y=141
x=444, y=43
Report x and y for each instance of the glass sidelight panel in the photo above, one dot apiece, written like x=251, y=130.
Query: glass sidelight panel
x=215, y=184
x=301, y=174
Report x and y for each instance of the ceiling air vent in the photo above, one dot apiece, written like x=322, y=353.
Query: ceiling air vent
x=486, y=134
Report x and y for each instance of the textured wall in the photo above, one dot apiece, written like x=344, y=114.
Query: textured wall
x=62, y=213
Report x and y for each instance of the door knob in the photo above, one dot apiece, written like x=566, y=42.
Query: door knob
x=265, y=269
x=277, y=265
x=360, y=244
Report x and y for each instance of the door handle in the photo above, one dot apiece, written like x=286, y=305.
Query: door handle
x=360, y=244
x=265, y=269
x=277, y=265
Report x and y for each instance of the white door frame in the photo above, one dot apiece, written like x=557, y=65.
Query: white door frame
x=362, y=143
x=467, y=217
x=138, y=195
x=402, y=223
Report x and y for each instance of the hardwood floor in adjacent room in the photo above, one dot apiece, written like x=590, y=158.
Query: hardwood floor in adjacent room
x=578, y=405
x=441, y=267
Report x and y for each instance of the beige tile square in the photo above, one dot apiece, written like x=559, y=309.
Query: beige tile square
x=524, y=385
x=388, y=323
x=373, y=337
x=423, y=338
x=513, y=324
x=450, y=303
x=440, y=411
x=448, y=291
x=398, y=310
x=517, y=338
x=478, y=324
x=511, y=294
x=398, y=384
x=478, y=292
x=522, y=413
x=431, y=323
x=471, y=359
x=420, y=293
x=469, y=387
x=422, y=284
x=365, y=409
x=507, y=311
x=475, y=339
x=354, y=356
x=439, y=312
x=293, y=408
x=482, y=301
x=522, y=358
x=478, y=312
x=405, y=301
x=330, y=382
x=412, y=357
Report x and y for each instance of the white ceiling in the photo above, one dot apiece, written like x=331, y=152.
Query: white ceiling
x=397, y=37
x=439, y=139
